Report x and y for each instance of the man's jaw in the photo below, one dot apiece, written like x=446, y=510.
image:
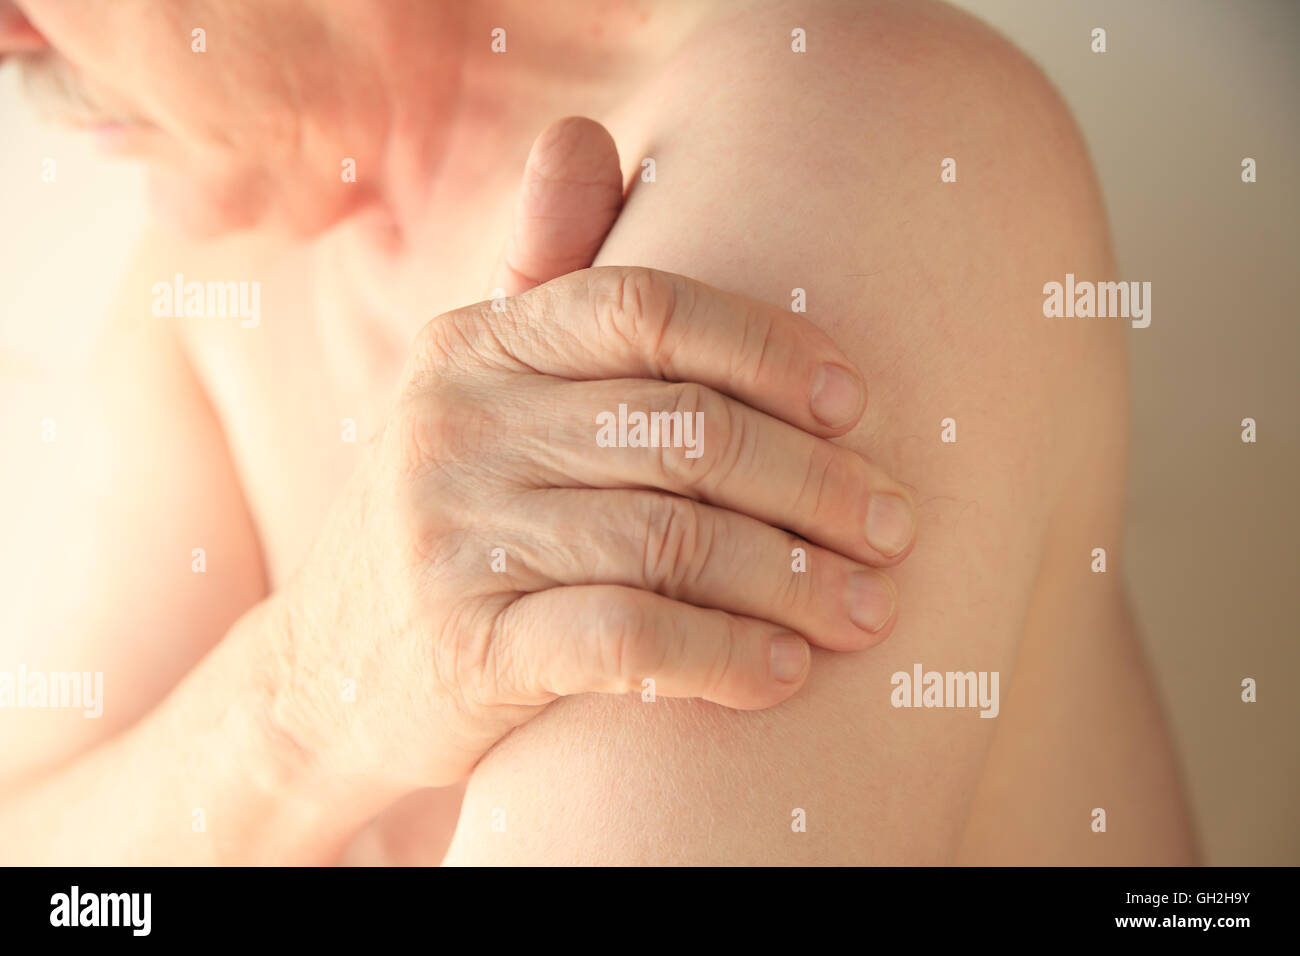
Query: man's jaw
x=58, y=92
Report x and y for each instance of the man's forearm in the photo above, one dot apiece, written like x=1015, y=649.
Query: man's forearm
x=205, y=778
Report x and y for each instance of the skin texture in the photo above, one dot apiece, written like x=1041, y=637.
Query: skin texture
x=932, y=291
x=935, y=291
x=397, y=593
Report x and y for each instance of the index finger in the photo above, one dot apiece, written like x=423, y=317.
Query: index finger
x=631, y=322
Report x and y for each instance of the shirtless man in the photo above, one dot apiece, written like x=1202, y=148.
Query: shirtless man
x=354, y=676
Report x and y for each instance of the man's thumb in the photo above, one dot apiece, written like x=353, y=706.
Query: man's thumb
x=570, y=196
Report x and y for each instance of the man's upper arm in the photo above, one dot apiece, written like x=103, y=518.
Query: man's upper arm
x=821, y=172
x=118, y=473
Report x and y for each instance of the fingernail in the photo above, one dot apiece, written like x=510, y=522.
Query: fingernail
x=870, y=600
x=789, y=658
x=889, y=523
x=837, y=396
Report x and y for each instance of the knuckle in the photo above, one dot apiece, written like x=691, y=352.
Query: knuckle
x=432, y=429
x=419, y=493
x=758, y=350
x=469, y=659
x=795, y=590
x=435, y=544
x=823, y=473
x=725, y=666
x=505, y=674
x=690, y=407
x=627, y=645
x=638, y=306
x=450, y=342
x=677, y=541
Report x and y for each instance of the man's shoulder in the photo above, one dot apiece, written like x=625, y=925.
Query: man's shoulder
x=839, y=128
x=814, y=181
x=912, y=183
x=911, y=172
x=838, y=68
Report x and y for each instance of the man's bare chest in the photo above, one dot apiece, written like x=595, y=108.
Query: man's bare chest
x=297, y=403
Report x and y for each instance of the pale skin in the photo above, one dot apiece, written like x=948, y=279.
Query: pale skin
x=330, y=560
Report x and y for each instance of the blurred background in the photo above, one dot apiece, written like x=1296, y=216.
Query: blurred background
x=1185, y=91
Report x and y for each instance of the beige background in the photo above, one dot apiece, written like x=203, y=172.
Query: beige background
x=1186, y=89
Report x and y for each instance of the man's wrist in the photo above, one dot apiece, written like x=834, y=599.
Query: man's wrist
x=315, y=801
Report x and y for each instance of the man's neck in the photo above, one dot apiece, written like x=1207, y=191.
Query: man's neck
x=458, y=142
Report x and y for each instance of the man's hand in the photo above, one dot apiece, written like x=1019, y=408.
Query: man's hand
x=491, y=555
